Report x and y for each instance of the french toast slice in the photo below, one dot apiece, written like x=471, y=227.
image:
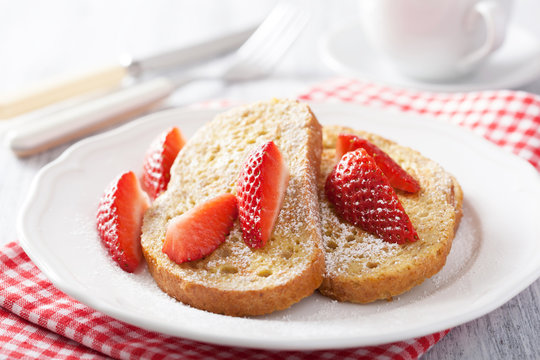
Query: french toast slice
x=235, y=279
x=360, y=267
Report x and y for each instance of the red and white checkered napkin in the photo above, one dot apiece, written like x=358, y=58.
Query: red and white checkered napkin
x=39, y=321
x=510, y=119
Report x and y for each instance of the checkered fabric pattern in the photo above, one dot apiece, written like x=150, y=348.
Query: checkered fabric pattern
x=510, y=119
x=39, y=321
x=22, y=339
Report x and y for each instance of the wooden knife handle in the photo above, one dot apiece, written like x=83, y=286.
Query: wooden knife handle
x=59, y=89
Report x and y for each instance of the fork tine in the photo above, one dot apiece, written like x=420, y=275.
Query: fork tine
x=288, y=29
x=265, y=48
x=269, y=54
x=272, y=22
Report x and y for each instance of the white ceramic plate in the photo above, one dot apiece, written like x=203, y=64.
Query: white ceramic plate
x=515, y=64
x=496, y=253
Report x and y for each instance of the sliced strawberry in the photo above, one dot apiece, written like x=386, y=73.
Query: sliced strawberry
x=362, y=195
x=399, y=178
x=199, y=231
x=261, y=188
x=159, y=159
x=119, y=220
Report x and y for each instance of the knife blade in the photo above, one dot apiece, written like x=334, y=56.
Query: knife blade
x=191, y=54
x=111, y=76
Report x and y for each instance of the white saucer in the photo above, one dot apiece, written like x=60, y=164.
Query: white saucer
x=515, y=64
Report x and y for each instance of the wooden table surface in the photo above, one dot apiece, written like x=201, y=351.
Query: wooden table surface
x=39, y=40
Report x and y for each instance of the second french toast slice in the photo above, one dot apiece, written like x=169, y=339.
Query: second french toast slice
x=362, y=267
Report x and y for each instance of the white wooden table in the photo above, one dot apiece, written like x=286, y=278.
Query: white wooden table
x=43, y=39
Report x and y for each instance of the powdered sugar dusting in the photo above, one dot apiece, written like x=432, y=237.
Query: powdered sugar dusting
x=362, y=258
x=210, y=164
x=346, y=244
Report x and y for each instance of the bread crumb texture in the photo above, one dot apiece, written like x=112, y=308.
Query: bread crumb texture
x=361, y=267
x=235, y=279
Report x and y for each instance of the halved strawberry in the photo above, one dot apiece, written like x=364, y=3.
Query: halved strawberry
x=399, y=178
x=159, y=159
x=362, y=195
x=119, y=220
x=261, y=188
x=199, y=231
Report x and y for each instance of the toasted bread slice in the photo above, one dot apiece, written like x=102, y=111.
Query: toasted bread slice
x=234, y=279
x=361, y=267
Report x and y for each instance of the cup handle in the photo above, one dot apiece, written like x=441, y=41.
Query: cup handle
x=494, y=22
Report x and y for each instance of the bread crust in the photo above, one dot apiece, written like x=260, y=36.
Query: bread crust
x=362, y=268
x=240, y=302
x=236, y=280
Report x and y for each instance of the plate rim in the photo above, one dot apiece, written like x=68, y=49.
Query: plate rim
x=106, y=308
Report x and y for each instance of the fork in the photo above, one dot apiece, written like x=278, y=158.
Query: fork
x=256, y=58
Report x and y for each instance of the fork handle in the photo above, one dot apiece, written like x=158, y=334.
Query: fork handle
x=80, y=120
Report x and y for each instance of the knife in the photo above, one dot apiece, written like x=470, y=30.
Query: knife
x=112, y=76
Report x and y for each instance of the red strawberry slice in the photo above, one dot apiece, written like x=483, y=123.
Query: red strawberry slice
x=399, y=178
x=362, y=195
x=261, y=188
x=199, y=231
x=159, y=159
x=119, y=220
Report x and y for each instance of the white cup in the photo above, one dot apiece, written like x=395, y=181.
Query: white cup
x=435, y=40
